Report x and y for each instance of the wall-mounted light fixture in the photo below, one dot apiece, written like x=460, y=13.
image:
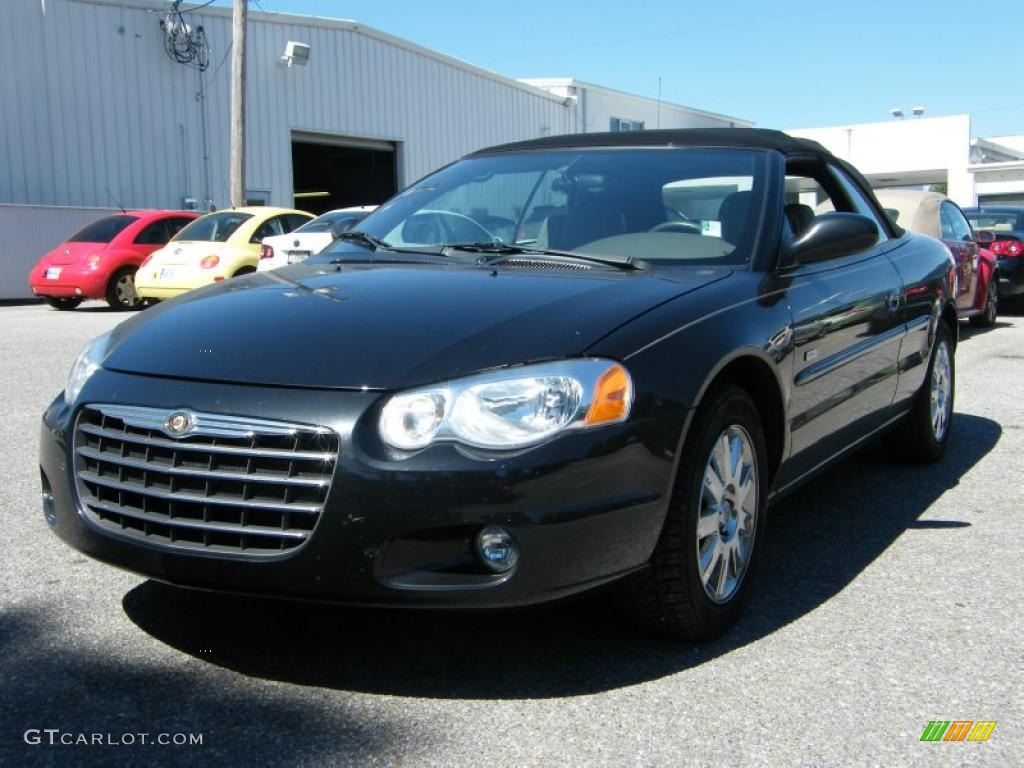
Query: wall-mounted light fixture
x=918, y=111
x=296, y=54
x=896, y=112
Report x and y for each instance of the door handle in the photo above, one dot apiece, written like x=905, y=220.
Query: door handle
x=894, y=302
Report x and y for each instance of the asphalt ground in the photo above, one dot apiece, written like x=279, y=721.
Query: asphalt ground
x=890, y=595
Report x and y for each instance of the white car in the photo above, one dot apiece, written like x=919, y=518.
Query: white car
x=310, y=238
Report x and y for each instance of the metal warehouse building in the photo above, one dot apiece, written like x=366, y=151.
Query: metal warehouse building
x=97, y=114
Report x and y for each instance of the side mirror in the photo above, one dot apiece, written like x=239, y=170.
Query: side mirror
x=832, y=235
x=984, y=237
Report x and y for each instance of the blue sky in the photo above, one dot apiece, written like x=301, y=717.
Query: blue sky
x=791, y=64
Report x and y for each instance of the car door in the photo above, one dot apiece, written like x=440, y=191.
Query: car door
x=956, y=234
x=153, y=236
x=847, y=325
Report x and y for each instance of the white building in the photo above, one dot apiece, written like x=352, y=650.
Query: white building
x=933, y=150
x=605, y=109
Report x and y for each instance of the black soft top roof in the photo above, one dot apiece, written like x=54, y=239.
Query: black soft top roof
x=756, y=138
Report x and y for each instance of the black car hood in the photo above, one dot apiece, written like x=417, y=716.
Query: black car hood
x=385, y=326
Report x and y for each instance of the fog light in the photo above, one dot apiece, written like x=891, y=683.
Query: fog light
x=497, y=549
x=47, y=495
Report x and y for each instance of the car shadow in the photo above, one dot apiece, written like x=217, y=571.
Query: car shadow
x=56, y=678
x=968, y=331
x=832, y=529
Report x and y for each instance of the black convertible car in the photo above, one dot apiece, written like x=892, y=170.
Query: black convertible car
x=546, y=367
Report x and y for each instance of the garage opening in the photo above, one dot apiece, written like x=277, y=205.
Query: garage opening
x=331, y=172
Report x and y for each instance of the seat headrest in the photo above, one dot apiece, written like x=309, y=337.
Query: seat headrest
x=733, y=213
x=800, y=217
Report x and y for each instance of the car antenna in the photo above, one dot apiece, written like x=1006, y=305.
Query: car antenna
x=114, y=199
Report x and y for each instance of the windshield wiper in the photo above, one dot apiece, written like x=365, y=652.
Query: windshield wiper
x=361, y=238
x=375, y=244
x=505, y=249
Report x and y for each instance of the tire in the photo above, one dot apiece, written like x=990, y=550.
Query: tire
x=63, y=303
x=671, y=596
x=121, y=293
x=920, y=438
x=988, y=318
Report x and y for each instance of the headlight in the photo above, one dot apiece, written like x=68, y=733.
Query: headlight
x=511, y=408
x=86, y=364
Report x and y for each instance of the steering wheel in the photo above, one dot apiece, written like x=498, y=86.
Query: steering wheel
x=460, y=228
x=677, y=226
x=440, y=227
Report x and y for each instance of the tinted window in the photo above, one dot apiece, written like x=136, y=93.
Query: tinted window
x=997, y=222
x=272, y=226
x=672, y=205
x=294, y=220
x=329, y=220
x=175, y=225
x=954, y=225
x=153, y=234
x=214, y=227
x=102, y=231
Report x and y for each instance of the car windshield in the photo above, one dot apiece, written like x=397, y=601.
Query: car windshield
x=102, y=231
x=997, y=222
x=668, y=205
x=214, y=227
x=328, y=220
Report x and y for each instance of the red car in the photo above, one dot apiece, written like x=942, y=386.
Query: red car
x=100, y=259
x=932, y=213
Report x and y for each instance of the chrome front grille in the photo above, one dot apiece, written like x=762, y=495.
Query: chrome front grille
x=246, y=487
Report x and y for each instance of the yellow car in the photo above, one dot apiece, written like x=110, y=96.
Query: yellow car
x=212, y=248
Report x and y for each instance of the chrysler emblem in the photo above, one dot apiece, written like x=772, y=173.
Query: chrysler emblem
x=178, y=423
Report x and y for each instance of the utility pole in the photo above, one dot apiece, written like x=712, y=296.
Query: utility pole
x=659, y=101
x=238, y=20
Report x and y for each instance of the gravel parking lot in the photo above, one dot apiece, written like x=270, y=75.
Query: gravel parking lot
x=891, y=595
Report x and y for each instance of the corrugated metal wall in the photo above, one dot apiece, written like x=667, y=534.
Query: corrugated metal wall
x=94, y=110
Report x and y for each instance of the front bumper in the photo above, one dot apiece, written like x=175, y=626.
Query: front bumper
x=584, y=509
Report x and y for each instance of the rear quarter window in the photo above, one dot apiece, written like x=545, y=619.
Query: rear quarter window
x=102, y=231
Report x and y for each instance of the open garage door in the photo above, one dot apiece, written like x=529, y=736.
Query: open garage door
x=333, y=172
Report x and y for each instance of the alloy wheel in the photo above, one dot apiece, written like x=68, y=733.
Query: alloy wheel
x=727, y=514
x=941, y=391
x=124, y=288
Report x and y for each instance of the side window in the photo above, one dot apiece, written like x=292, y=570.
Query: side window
x=293, y=221
x=272, y=226
x=153, y=234
x=856, y=198
x=812, y=190
x=946, y=223
x=954, y=222
x=175, y=225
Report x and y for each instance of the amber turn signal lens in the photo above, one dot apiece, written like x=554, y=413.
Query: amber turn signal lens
x=612, y=396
